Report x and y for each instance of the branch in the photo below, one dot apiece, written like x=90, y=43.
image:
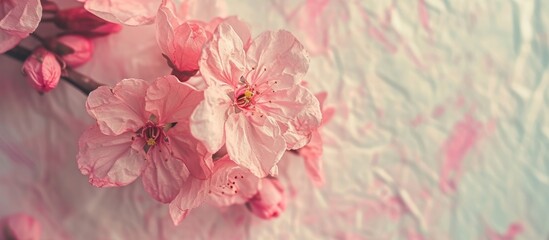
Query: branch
x=80, y=81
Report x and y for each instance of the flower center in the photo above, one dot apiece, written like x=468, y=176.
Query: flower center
x=230, y=187
x=244, y=97
x=151, y=134
x=151, y=141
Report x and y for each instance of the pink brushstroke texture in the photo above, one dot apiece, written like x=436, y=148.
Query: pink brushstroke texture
x=462, y=139
x=423, y=15
x=512, y=231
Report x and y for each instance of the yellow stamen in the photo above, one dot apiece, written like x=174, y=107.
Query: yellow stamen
x=248, y=94
x=151, y=141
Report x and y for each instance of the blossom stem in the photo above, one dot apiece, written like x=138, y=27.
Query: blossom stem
x=78, y=80
x=39, y=38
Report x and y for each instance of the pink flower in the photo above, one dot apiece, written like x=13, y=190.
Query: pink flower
x=42, y=70
x=312, y=152
x=80, y=48
x=143, y=130
x=229, y=184
x=182, y=42
x=78, y=20
x=19, y=227
x=254, y=103
x=128, y=12
x=17, y=20
x=269, y=202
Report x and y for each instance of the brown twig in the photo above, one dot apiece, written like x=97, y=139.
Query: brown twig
x=80, y=81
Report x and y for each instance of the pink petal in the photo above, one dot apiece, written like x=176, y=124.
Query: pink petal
x=8, y=41
x=192, y=152
x=189, y=40
x=231, y=184
x=197, y=82
x=164, y=175
x=208, y=119
x=170, y=100
x=327, y=112
x=294, y=139
x=166, y=22
x=20, y=17
x=129, y=12
x=119, y=109
x=312, y=153
x=241, y=28
x=176, y=214
x=108, y=160
x=254, y=142
x=17, y=20
x=297, y=111
x=277, y=56
x=223, y=59
x=192, y=193
x=212, y=24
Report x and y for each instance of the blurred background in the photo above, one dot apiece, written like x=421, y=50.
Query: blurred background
x=441, y=128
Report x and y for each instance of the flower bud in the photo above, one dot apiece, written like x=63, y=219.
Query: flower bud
x=269, y=202
x=19, y=226
x=183, y=49
x=191, y=37
x=75, y=50
x=79, y=20
x=42, y=70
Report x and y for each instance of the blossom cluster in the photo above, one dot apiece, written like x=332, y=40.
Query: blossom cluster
x=213, y=131
x=71, y=47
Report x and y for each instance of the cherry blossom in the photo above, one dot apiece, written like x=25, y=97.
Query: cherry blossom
x=254, y=102
x=17, y=20
x=181, y=41
x=143, y=130
x=229, y=184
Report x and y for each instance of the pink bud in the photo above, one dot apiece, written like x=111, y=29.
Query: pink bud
x=19, y=226
x=42, y=70
x=80, y=49
x=269, y=202
x=184, y=49
x=79, y=20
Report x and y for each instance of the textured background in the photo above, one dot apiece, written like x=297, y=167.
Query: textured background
x=441, y=128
